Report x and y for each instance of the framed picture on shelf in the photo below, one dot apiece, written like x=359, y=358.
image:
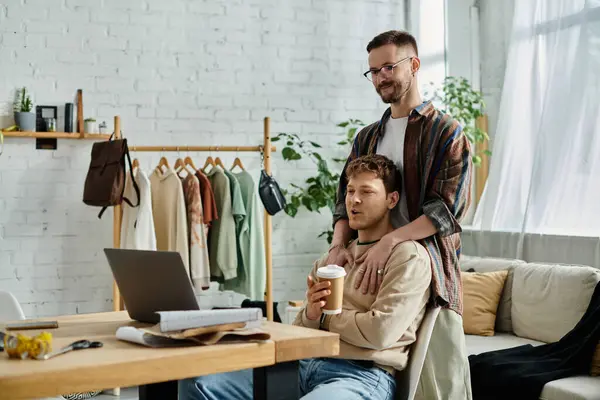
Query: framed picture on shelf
x=46, y=118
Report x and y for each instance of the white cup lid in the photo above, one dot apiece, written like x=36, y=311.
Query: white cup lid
x=331, y=272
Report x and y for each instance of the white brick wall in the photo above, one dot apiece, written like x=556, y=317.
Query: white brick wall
x=177, y=72
x=495, y=30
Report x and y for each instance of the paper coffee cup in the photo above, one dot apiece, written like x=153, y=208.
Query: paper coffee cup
x=334, y=274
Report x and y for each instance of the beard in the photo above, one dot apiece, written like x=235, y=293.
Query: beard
x=397, y=92
x=368, y=220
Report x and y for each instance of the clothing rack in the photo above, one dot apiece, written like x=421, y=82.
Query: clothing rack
x=265, y=149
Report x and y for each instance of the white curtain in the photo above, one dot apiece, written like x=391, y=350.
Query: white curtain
x=545, y=169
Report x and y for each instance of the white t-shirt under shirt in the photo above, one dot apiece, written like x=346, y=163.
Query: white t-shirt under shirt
x=391, y=145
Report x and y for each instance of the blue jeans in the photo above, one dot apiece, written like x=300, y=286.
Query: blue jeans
x=320, y=378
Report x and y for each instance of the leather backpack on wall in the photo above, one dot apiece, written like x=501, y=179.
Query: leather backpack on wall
x=105, y=180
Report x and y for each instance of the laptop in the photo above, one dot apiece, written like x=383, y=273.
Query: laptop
x=151, y=281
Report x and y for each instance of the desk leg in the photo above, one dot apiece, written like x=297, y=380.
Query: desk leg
x=277, y=382
x=158, y=391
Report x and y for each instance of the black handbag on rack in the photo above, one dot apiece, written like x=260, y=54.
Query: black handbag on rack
x=270, y=194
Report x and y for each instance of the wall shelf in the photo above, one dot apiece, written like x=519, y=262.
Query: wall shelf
x=57, y=135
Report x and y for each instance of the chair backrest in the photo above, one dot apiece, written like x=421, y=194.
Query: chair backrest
x=10, y=309
x=407, y=380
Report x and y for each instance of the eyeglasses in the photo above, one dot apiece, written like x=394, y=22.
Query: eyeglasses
x=373, y=73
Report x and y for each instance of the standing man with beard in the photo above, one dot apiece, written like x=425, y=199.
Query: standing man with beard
x=434, y=156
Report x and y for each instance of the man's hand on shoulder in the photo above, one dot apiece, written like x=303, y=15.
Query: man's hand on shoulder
x=339, y=255
x=370, y=274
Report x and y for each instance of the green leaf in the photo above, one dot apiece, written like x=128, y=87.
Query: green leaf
x=275, y=139
x=343, y=124
x=296, y=201
x=291, y=210
x=315, y=144
x=306, y=202
x=487, y=153
x=290, y=154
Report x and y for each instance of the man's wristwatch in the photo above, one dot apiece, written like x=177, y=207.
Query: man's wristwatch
x=322, y=321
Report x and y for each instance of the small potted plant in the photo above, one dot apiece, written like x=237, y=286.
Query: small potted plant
x=90, y=125
x=24, y=117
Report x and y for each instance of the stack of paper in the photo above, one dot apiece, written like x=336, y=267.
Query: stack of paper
x=179, y=320
x=179, y=328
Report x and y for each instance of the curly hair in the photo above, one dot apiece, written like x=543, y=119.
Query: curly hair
x=399, y=38
x=381, y=166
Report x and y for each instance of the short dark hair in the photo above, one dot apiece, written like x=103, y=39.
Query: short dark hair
x=399, y=38
x=381, y=166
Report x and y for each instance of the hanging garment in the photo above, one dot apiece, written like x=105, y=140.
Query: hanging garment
x=251, y=278
x=208, y=199
x=199, y=264
x=137, y=228
x=237, y=202
x=222, y=243
x=170, y=217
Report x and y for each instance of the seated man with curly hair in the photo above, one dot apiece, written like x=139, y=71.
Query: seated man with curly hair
x=376, y=330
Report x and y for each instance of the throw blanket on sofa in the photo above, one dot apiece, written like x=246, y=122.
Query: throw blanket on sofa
x=521, y=372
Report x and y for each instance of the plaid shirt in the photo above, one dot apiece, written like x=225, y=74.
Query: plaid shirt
x=437, y=181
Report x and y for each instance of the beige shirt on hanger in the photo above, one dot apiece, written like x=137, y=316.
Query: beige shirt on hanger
x=169, y=212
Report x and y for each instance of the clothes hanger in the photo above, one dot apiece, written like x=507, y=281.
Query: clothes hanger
x=188, y=161
x=209, y=161
x=180, y=166
x=219, y=162
x=163, y=163
x=135, y=164
x=237, y=162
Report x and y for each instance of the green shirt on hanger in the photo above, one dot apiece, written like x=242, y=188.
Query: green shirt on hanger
x=251, y=278
x=222, y=235
x=237, y=203
x=239, y=213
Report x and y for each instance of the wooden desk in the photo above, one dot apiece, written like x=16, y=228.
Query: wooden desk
x=121, y=364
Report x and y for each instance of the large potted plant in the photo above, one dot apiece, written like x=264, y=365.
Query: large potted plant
x=319, y=191
x=24, y=117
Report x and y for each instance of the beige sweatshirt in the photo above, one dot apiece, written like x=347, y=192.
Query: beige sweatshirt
x=380, y=327
x=169, y=213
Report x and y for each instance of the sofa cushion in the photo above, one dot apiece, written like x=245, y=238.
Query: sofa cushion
x=549, y=299
x=572, y=388
x=489, y=264
x=481, y=295
x=481, y=344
